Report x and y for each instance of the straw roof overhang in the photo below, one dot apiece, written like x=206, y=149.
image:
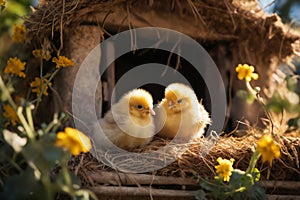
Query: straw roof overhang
x=205, y=20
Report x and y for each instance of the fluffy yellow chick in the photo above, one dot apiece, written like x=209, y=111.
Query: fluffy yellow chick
x=129, y=123
x=180, y=113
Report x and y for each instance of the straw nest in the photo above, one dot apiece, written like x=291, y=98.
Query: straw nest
x=200, y=158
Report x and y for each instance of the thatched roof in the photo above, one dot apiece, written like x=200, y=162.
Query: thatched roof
x=207, y=20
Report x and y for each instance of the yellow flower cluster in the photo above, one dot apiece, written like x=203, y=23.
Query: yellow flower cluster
x=10, y=114
x=246, y=72
x=62, y=61
x=19, y=33
x=15, y=66
x=39, y=53
x=224, y=169
x=37, y=86
x=74, y=141
x=268, y=148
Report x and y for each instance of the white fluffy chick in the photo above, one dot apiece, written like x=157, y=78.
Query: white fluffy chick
x=129, y=122
x=180, y=113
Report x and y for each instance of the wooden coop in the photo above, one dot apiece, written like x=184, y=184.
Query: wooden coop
x=231, y=31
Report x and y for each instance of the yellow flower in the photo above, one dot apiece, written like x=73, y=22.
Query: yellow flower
x=224, y=169
x=37, y=86
x=15, y=66
x=246, y=72
x=2, y=2
x=10, y=114
x=39, y=53
x=73, y=140
x=19, y=33
x=63, y=61
x=268, y=148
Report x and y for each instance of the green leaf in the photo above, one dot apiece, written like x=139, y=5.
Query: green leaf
x=257, y=192
x=16, y=8
x=43, y=153
x=215, y=188
x=277, y=103
x=207, y=185
x=201, y=195
x=256, y=175
x=236, y=178
x=22, y=186
x=291, y=83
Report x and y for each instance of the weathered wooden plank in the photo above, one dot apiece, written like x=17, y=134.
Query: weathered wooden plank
x=290, y=185
x=141, y=192
x=283, y=197
x=114, y=178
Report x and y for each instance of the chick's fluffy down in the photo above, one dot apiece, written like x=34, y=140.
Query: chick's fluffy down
x=129, y=123
x=180, y=113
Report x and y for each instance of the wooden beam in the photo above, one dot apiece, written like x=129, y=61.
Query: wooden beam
x=114, y=178
x=141, y=192
x=289, y=185
x=283, y=197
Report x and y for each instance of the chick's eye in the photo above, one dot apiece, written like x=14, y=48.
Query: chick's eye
x=140, y=107
x=179, y=100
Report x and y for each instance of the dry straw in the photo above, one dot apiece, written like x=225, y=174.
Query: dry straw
x=190, y=164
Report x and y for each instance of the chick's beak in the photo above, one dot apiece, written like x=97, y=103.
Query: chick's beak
x=171, y=104
x=151, y=111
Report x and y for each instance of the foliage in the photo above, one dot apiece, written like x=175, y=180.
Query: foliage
x=241, y=186
x=286, y=99
x=12, y=13
x=29, y=152
x=32, y=155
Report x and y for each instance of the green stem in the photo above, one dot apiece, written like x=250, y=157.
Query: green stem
x=66, y=176
x=255, y=93
x=84, y=192
x=48, y=187
x=23, y=121
x=253, y=161
x=39, y=98
x=53, y=74
x=241, y=189
x=53, y=123
x=251, y=90
x=18, y=110
x=49, y=80
x=14, y=164
x=66, y=173
x=41, y=66
x=6, y=93
x=29, y=116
